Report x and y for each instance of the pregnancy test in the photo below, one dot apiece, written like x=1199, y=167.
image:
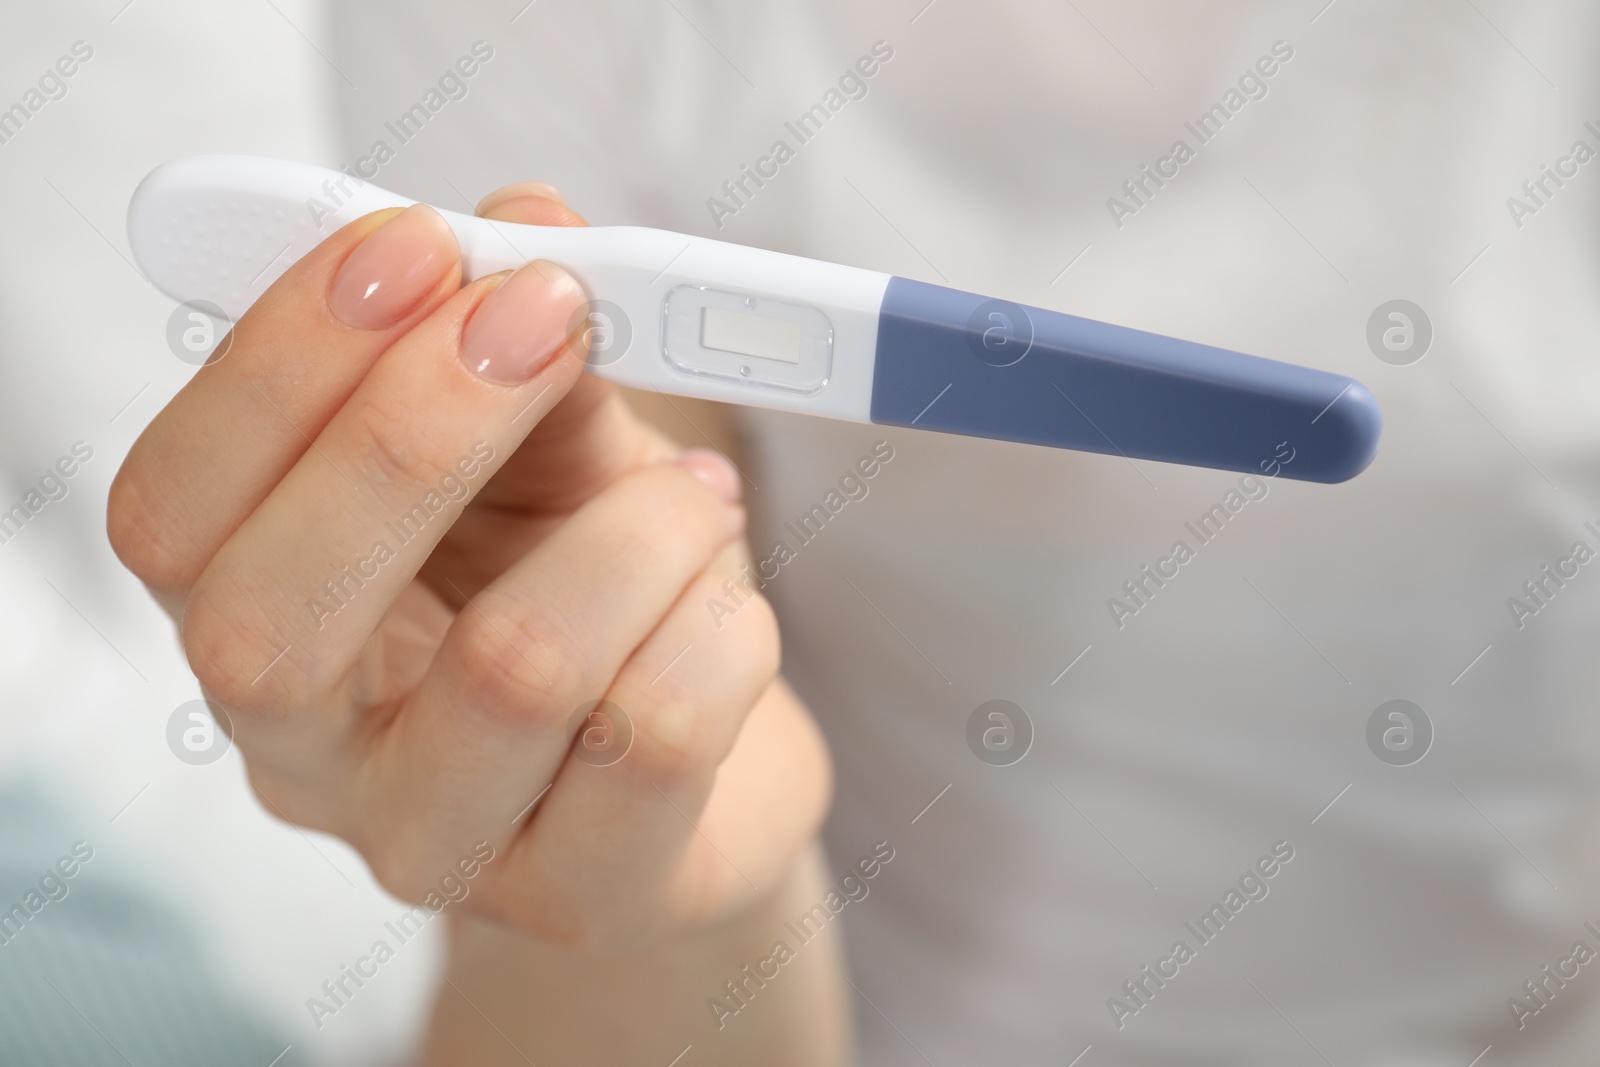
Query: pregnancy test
x=694, y=317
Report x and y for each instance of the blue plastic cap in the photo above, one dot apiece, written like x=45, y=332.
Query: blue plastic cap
x=966, y=364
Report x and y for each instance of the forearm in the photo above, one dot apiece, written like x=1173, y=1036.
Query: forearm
x=511, y=1000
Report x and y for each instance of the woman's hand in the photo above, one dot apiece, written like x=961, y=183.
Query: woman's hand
x=406, y=541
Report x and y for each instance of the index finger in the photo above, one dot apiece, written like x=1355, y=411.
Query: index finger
x=238, y=426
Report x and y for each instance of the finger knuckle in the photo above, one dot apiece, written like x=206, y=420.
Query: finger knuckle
x=393, y=458
x=675, y=740
x=756, y=627
x=743, y=622
x=515, y=670
x=141, y=539
x=688, y=731
x=670, y=745
x=228, y=659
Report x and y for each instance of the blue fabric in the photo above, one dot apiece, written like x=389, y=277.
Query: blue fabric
x=107, y=972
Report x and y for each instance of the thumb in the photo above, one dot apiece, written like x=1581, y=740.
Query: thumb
x=530, y=203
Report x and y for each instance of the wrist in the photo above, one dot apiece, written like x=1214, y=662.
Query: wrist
x=588, y=1005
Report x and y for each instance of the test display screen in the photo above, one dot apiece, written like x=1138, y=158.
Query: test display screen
x=750, y=335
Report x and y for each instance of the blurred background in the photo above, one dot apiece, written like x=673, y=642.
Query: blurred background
x=1231, y=714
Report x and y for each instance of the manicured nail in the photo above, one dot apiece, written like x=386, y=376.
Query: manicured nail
x=390, y=271
x=713, y=469
x=520, y=326
x=511, y=192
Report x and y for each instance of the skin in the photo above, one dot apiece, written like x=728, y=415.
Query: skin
x=438, y=703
